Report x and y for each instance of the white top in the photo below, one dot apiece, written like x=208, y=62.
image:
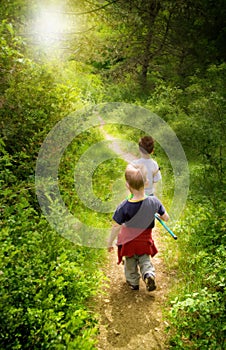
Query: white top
x=153, y=172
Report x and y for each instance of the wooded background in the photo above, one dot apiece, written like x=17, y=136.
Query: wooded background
x=58, y=57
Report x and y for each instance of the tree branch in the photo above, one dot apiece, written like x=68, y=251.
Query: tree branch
x=87, y=12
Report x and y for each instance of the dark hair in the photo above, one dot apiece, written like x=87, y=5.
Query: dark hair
x=146, y=144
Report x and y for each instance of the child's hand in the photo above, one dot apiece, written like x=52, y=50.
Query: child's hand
x=110, y=249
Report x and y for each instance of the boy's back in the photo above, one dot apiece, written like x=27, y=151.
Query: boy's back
x=139, y=214
x=134, y=220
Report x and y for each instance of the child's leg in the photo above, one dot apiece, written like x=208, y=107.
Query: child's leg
x=146, y=266
x=131, y=270
x=147, y=271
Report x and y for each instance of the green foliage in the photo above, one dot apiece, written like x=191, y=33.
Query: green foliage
x=77, y=76
x=199, y=320
x=207, y=105
x=138, y=39
x=35, y=96
x=196, y=114
x=197, y=314
x=104, y=181
x=45, y=282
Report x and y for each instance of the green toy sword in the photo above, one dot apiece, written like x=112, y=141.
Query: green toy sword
x=165, y=226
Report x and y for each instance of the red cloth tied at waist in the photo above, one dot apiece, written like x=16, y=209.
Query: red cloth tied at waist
x=135, y=241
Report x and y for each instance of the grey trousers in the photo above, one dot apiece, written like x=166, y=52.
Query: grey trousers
x=137, y=266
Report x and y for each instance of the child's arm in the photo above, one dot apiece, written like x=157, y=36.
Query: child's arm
x=114, y=233
x=157, y=189
x=165, y=216
x=157, y=182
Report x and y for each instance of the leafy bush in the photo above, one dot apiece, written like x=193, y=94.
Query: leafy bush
x=45, y=282
x=197, y=315
x=199, y=320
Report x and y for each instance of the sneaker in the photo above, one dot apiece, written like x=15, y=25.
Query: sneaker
x=133, y=287
x=150, y=282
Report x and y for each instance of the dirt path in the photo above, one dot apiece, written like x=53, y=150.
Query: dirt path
x=132, y=319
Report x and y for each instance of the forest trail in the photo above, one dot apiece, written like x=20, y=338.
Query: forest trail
x=132, y=319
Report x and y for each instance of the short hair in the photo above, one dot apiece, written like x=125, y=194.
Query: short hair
x=146, y=144
x=136, y=176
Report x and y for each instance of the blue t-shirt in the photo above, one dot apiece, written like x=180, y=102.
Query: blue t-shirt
x=139, y=214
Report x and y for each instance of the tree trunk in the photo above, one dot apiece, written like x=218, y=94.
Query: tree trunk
x=149, y=19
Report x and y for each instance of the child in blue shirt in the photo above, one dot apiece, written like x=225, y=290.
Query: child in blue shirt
x=133, y=223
